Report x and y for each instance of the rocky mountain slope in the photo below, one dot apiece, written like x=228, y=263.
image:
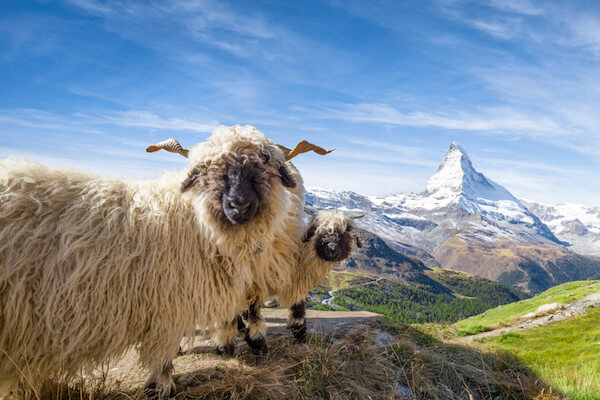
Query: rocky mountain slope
x=576, y=224
x=379, y=279
x=465, y=221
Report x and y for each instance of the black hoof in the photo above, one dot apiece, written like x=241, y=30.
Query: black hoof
x=300, y=334
x=152, y=391
x=257, y=346
x=228, y=350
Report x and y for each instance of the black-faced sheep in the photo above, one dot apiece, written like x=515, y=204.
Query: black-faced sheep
x=92, y=265
x=329, y=238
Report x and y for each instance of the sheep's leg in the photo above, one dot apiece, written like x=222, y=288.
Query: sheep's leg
x=224, y=338
x=241, y=325
x=297, y=321
x=160, y=385
x=257, y=329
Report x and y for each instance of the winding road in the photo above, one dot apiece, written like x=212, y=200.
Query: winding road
x=332, y=292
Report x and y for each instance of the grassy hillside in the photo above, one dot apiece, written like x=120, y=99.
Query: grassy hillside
x=564, y=294
x=565, y=354
x=444, y=296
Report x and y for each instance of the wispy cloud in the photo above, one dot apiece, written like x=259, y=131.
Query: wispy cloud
x=148, y=119
x=211, y=23
x=500, y=163
x=502, y=30
x=39, y=119
x=524, y=7
x=93, y=7
x=496, y=120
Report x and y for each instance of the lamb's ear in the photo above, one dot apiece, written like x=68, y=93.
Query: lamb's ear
x=286, y=178
x=310, y=232
x=190, y=180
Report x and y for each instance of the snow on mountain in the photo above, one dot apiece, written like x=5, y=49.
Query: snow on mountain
x=465, y=221
x=456, y=176
x=457, y=197
x=576, y=224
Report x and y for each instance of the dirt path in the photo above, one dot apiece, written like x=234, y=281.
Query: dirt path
x=332, y=292
x=569, y=311
x=127, y=373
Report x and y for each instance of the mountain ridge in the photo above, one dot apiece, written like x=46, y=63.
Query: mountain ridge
x=465, y=221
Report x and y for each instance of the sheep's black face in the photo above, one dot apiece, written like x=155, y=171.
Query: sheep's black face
x=237, y=186
x=240, y=199
x=336, y=245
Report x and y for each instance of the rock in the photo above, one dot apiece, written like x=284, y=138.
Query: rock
x=547, y=308
x=383, y=338
x=271, y=303
x=404, y=392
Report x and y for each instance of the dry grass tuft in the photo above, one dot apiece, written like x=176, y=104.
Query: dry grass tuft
x=435, y=369
x=352, y=367
x=419, y=363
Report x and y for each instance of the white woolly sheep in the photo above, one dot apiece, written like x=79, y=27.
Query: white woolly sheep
x=92, y=265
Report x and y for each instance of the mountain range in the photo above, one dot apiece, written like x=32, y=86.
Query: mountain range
x=464, y=221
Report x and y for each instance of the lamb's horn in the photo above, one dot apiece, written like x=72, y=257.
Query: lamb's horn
x=358, y=216
x=171, y=145
x=303, y=147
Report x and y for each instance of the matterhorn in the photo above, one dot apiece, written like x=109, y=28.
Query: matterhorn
x=467, y=222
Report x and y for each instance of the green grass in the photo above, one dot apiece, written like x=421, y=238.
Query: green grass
x=565, y=354
x=337, y=280
x=564, y=294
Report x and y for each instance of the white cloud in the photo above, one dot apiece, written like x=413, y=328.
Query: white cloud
x=524, y=7
x=32, y=118
x=148, y=119
x=497, y=29
x=495, y=120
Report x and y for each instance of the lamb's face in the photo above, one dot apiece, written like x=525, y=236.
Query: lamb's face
x=238, y=184
x=333, y=234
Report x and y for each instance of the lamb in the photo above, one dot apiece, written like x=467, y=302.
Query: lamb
x=329, y=239
x=92, y=265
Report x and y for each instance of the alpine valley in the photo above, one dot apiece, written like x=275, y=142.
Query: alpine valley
x=466, y=222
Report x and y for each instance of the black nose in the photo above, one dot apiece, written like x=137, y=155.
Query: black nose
x=239, y=210
x=239, y=204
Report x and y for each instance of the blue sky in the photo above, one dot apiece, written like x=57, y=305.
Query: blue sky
x=390, y=84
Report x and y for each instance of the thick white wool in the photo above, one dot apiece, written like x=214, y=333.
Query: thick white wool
x=91, y=265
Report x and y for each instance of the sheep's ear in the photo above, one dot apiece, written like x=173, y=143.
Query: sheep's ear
x=286, y=178
x=310, y=232
x=359, y=242
x=190, y=180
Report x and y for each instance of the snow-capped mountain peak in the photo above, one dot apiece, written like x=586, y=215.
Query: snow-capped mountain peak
x=456, y=176
x=457, y=198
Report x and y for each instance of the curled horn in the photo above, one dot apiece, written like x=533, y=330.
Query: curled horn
x=303, y=147
x=171, y=145
x=358, y=216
